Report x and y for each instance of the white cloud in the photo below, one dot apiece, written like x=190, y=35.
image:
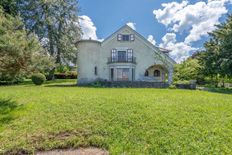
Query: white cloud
x=165, y=16
x=196, y=20
x=132, y=25
x=88, y=28
x=151, y=39
x=169, y=38
x=180, y=50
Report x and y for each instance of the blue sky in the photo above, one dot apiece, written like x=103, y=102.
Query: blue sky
x=174, y=24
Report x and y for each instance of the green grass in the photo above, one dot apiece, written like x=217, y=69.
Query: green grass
x=121, y=120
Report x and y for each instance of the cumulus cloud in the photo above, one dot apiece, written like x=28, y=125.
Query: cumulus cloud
x=132, y=25
x=151, y=39
x=88, y=28
x=196, y=20
x=180, y=50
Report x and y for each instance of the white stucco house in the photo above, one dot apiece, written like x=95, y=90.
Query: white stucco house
x=123, y=56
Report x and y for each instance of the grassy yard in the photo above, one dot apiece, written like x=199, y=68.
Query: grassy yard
x=120, y=120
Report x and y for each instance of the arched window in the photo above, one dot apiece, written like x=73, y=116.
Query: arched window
x=146, y=73
x=156, y=73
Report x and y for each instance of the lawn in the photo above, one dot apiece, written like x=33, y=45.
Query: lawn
x=120, y=120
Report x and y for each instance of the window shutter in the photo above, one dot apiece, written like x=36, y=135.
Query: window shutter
x=130, y=55
x=113, y=55
x=132, y=37
x=119, y=37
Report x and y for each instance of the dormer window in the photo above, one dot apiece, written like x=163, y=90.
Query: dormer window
x=126, y=37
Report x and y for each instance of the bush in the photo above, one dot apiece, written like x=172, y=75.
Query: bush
x=172, y=86
x=67, y=75
x=38, y=79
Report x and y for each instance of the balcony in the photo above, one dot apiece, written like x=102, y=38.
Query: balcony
x=124, y=60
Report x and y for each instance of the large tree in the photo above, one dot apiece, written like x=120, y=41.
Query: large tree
x=20, y=54
x=55, y=21
x=217, y=57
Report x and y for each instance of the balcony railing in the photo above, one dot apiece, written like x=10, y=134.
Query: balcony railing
x=118, y=60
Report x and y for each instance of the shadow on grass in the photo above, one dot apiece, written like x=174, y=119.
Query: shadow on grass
x=220, y=90
x=61, y=85
x=7, y=109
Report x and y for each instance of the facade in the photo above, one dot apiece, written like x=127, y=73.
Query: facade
x=123, y=56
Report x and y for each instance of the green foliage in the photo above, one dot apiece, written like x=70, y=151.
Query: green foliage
x=62, y=69
x=67, y=75
x=173, y=86
x=122, y=121
x=187, y=70
x=9, y=6
x=20, y=54
x=56, y=22
x=38, y=78
x=217, y=57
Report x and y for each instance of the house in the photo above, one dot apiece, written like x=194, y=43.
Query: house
x=123, y=56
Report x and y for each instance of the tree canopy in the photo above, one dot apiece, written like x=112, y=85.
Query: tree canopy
x=20, y=53
x=216, y=59
x=56, y=22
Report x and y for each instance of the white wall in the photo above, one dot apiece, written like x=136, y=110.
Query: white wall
x=93, y=53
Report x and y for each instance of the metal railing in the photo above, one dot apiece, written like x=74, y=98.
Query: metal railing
x=118, y=60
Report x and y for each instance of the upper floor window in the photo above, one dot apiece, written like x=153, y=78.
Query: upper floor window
x=126, y=37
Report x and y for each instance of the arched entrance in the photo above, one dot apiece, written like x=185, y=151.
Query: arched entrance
x=156, y=73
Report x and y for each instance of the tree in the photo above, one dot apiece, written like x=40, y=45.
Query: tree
x=20, y=54
x=187, y=70
x=56, y=21
x=216, y=59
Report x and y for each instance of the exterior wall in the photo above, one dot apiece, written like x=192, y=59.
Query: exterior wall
x=88, y=57
x=93, y=53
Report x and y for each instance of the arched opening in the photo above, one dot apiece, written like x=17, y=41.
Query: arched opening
x=146, y=73
x=156, y=73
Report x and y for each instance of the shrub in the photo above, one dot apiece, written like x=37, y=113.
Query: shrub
x=67, y=75
x=38, y=79
x=172, y=86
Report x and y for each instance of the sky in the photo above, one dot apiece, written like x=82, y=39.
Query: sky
x=181, y=26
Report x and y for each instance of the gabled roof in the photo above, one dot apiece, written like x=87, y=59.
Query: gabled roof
x=161, y=51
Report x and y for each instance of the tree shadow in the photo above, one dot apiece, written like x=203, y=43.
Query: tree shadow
x=7, y=109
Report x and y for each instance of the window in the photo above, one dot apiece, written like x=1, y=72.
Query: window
x=95, y=70
x=122, y=56
x=125, y=37
x=130, y=55
x=123, y=74
x=146, y=73
x=156, y=73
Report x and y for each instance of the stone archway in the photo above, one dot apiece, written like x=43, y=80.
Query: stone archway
x=156, y=73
